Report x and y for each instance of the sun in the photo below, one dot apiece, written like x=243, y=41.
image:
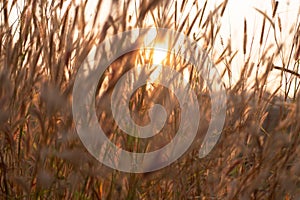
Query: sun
x=159, y=56
x=158, y=60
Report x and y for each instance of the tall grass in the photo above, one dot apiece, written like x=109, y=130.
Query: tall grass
x=41, y=155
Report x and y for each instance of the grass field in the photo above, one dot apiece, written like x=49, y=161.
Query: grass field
x=41, y=155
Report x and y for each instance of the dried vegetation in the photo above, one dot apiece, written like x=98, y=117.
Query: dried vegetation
x=41, y=155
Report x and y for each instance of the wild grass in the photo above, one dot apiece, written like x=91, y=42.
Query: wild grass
x=41, y=155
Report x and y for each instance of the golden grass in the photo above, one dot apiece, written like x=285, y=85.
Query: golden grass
x=41, y=155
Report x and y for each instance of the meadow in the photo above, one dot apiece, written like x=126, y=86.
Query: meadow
x=41, y=52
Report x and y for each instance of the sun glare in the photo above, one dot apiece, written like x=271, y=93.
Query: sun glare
x=159, y=56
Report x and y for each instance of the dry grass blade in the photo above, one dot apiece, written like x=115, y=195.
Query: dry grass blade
x=224, y=7
x=193, y=22
x=266, y=16
x=275, y=9
x=287, y=70
x=297, y=44
x=210, y=16
x=279, y=24
x=146, y=9
x=184, y=2
x=262, y=31
x=245, y=37
x=202, y=14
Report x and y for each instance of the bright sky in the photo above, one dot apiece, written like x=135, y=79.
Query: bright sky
x=233, y=21
x=232, y=24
